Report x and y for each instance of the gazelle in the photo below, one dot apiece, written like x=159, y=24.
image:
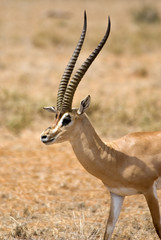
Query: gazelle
x=129, y=165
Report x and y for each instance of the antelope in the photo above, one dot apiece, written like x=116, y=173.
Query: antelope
x=127, y=166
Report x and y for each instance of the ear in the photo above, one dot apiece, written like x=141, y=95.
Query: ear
x=50, y=109
x=84, y=105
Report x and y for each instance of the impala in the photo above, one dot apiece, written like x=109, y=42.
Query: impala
x=129, y=165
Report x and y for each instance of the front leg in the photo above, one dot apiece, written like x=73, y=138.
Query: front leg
x=115, y=208
x=152, y=201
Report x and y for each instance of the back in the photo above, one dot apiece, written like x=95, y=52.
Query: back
x=140, y=143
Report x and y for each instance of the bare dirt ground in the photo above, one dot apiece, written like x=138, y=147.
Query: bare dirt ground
x=45, y=192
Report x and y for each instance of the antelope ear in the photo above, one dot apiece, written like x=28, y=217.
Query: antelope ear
x=84, y=105
x=50, y=109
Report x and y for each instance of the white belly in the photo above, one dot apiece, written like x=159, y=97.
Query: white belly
x=123, y=191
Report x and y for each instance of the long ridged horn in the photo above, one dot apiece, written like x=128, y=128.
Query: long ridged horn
x=71, y=88
x=69, y=69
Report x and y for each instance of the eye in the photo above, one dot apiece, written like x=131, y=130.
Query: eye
x=66, y=120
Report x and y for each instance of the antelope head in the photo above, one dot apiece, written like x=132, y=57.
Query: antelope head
x=66, y=118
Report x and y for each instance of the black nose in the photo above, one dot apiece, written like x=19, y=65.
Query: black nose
x=44, y=138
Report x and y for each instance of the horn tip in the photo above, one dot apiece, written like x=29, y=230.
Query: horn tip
x=109, y=21
x=85, y=18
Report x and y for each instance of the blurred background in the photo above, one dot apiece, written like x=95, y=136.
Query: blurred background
x=37, y=39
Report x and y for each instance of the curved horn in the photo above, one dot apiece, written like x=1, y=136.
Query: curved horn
x=69, y=69
x=69, y=94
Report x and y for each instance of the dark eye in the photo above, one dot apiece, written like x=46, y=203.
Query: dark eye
x=66, y=120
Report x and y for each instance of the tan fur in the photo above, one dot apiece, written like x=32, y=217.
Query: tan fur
x=127, y=166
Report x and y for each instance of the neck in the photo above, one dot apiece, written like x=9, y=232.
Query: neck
x=90, y=150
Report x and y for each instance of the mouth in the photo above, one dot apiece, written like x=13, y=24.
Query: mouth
x=48, y=141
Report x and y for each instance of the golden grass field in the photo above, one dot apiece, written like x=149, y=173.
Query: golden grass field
x=45, y=194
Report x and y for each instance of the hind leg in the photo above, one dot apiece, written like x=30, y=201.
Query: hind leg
x=158, y=182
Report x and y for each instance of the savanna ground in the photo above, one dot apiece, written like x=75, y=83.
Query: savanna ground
x=44, y=192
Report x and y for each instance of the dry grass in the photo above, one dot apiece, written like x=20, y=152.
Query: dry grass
x=47, y=197
x=45, y=193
